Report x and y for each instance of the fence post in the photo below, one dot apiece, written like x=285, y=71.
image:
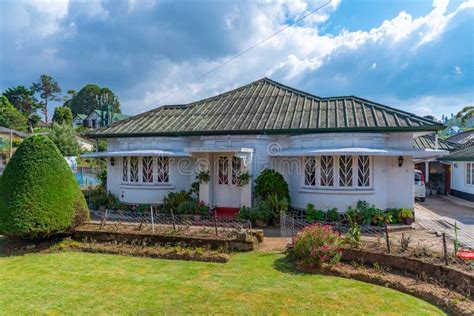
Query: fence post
x=445, y=249
x=173, y=220
x=152, y=219
x=215, y=221
x=387, y=238
x=104, y=219
x=292, y=230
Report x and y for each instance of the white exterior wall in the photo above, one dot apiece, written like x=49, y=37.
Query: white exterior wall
x=392, y=185
x=458, y=178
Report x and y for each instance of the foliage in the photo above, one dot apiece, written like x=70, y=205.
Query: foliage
x=62, y=115
x=142, y=208
x=193, y=207
x=269, y=182
x=354, y=232
x=10, y=117
x=317, y=244
x=98, y=198
x=102, y=145
x=86, y=101
x=203, y=177
x=404, y=213
x=48, y=89
x=172, y=201
x=314, y=215
x=278, y=205
x=465, y=114
x=103, y=178
x=23, y=99
x=404, y=242
x=260, y=212
x=34, y=120
x=39, y=195
x=243, y=178
x=332, y=215
x=64, y=138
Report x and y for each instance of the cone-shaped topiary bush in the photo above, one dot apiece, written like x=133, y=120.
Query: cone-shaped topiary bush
x=39, y=195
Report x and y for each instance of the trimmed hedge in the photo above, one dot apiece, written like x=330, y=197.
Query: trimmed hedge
x=39, y=195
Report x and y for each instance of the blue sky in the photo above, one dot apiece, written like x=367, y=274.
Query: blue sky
x=414, y=55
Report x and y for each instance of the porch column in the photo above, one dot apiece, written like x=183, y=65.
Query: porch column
x=427, y=171
x=205, y=189
x=246, y=190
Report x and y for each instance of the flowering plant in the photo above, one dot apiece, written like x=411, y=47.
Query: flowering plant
x=317, y=244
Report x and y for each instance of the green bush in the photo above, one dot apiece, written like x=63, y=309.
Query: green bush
x=314, y=215
x=260, y=212
x=193, y=207
x=172, y=201
x=317, y=244
x=39, y=195
x=332, y=215
x=272, y=182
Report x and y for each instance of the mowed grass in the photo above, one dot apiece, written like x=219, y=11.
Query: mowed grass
x=251, y=283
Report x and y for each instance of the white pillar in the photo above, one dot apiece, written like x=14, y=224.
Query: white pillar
x=427, y=171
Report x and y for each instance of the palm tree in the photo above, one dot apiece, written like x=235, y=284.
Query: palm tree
x=465, y=114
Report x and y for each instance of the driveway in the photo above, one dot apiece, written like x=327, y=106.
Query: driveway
x=439, y=215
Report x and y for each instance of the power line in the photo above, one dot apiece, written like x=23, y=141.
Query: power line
x=242, y=53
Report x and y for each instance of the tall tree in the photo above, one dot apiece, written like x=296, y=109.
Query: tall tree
x=11, y=117
x=48, y=89
x=62, y=115
x=64, y=137
x=465, y=114
x=88, y=99
x=23, y=99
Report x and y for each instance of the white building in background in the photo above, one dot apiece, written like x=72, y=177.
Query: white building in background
x=462, y=172
x=332, y=151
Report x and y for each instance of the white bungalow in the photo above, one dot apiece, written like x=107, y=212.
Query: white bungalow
x=332, y=151
x=462, y=166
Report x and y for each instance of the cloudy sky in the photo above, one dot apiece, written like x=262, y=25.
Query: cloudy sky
x=415, y=55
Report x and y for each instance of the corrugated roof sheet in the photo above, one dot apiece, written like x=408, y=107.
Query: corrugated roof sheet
x=428, y=142
x=465, y=154
x=267, y=107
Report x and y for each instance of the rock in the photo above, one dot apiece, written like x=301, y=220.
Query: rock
x=30, y=247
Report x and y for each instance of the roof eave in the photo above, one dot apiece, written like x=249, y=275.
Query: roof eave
x=271, y=132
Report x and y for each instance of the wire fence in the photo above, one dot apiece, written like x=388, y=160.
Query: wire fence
x=292, y=224
x=154, y=220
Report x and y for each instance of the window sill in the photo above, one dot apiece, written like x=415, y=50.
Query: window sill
x=146, y=186
x=336, y=191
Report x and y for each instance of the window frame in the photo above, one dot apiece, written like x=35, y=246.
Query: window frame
x=469, y=166
x=155, y=172
x=336, y=174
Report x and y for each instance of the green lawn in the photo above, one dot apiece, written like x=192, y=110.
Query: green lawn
x=257, y=283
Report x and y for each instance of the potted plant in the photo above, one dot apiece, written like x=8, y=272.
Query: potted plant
x=406, y=216
x=243, y=178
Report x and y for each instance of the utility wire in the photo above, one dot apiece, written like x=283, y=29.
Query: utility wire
x=243, y=52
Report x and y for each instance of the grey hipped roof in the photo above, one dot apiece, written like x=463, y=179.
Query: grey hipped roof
x=429, y=142
x=268, y=107
x=466, y=154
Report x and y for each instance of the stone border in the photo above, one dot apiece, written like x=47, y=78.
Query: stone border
x=238, y=244
x=453, y=279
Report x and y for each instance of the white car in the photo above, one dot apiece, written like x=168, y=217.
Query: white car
x=419, y=187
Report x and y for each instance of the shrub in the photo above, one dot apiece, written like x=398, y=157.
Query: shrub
x=314, y=215
x=317, y=244
x=98, y=198
x=174, y=199
x=270, y=182
x=39, y=195
x=193, y=207
x=332, y=215
x=404, y=213
x=260, y=212
x=277, y=205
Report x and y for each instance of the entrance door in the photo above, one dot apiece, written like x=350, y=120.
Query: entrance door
x=226, y=191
